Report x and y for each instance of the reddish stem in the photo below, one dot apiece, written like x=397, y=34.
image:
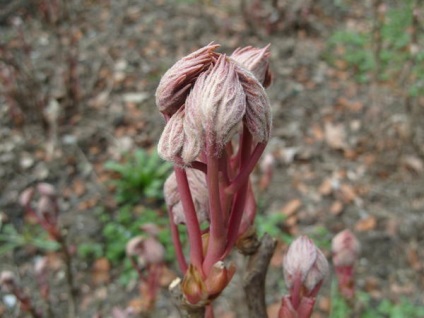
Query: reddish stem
x=239, y=203
x=246, y=169
x=182, y=263
x=235, y=218
x=138, y=269
x=217, y=226
x=295, y=292
x=225, y=181
x=250, y=210
x=195, y=165
x=192, y=223
x=209, y=312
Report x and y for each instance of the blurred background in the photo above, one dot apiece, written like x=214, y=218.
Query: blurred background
x=77, y=110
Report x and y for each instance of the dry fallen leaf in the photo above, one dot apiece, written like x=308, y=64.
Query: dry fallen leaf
x=353, y=106
x=326, y=187
x=372, y=286
x=413, y=163
x=348, y=193
x=101, y=271
x=87, y=204
x=367, y=224
x=335, y=136
x=324, y=304
x=78, y=187
x=336, y=208
x=277, y=257
x=166, y=277
x=317, y=132
x=413, y=258
x=291, y=207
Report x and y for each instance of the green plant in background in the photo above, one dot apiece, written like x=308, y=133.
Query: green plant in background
x=90, y=250
x=272, y=224
x=119, y=229
x=11, y=239
x=383, y=309
x=140, y=177
x=394, y=59
x=357, y=52
x=140, y=180
x=321, y=236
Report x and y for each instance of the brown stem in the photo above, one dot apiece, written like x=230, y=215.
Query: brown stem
x=69, y=277
x=376, y=33
x=185, y=310
x=254, y=278
x=26, y=303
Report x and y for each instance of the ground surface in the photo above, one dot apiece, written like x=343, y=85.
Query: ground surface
x=343, y=151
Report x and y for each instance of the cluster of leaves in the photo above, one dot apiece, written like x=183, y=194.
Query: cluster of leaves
x=140, y=177
x=273, y=225
x=118, y=230
x=358, y=50
x=30, y=235
x=140, y=181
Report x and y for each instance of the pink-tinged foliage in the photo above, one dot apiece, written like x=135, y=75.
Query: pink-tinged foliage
x=304, y=262
x=218, y=101
x=193, y=287
x=346, y=248
x=207, y=99
x=148, y=251
x=7, y=281
x=255, y=60
x=258, y=116
x=305, y=268
x=199, y=192
x=218, y=279
x=46, y=189
x=299, y=260
x=304, y=309
x=172, y=139
x=178, y=80
x=47, y=209
x=26, y=196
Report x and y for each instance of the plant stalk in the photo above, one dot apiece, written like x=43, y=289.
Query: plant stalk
x=193, y=228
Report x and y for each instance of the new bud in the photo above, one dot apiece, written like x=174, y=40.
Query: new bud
x=47, y=209
x=199, y=192
x=150, y=228
x=178, y=80
x=171, y=141
x=218, y=278
x=255, y=60
x=304, y=265
x=148, y=250
x=46, y=189
x=193, y=287
x=26, y=196
x=41, y=266
x=304, y=309
x=258, y=110
x=345, y=248
x=217, y=102
x=7, y=281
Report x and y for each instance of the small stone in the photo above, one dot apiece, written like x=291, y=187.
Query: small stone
x=26, y=161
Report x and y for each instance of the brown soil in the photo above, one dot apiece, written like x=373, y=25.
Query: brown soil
x=346, y=153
